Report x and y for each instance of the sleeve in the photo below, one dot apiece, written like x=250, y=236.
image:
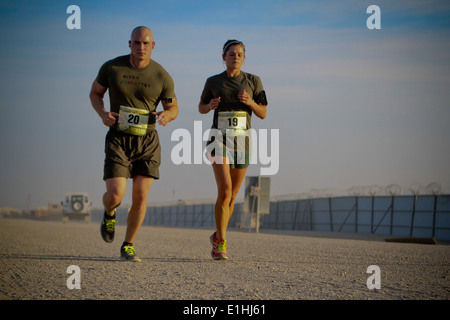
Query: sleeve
x=102, y=76
x=206, y=93
x=169, y=88
x=259, y=94
x=257, y=85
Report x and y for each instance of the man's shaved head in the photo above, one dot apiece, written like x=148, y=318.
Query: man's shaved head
x=142, y=30
x=141, y=45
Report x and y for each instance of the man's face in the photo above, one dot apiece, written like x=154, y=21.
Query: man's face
x=141, y=45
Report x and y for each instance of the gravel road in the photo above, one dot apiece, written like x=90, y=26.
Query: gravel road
x=176, y=265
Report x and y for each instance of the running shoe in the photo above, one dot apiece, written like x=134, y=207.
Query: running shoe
x=107, y=229
x=219, y=248
x=128, y=253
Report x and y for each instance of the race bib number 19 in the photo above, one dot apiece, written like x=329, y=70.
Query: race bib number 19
x=133, y=121
x=232, y=122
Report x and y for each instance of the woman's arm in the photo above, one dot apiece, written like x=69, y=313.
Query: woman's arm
x=206, y=107
x=259, y=110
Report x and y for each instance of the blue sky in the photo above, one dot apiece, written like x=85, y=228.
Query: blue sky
x=354, y=106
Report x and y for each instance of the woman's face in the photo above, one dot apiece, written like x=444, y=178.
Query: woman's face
x=234, y=57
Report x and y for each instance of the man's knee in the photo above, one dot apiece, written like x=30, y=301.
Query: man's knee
x=141, y=188
x=113, y=199
x=140, y=197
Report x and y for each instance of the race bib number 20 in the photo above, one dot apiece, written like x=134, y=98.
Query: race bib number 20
x=133, y=121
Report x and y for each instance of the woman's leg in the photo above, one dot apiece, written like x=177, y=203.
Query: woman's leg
x=224, y=191
x=237, y=176
x=228, y=184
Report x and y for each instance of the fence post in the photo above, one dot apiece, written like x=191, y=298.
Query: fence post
x=392, y=215
x=372, y=214
x=413, y=213
x=434, y=215
x=331, y=214
x=295, y=216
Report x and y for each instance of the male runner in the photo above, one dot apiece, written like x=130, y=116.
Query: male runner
x=136, y=85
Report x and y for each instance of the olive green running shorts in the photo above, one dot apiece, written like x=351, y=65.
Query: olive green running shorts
x=239, y=158
x=128, y=155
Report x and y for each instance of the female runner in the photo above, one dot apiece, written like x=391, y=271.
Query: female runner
x=233, y=95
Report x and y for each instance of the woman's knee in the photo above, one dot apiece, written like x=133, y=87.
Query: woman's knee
x=225, y=193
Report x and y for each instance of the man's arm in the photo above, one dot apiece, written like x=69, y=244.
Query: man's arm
x=170, y=112
x=96, y=97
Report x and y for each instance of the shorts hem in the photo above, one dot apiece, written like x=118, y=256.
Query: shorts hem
x=154, y=176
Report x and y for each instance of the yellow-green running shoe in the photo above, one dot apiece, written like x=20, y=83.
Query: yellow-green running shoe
x=107, y=229
x=219, y=248
x=128, y=253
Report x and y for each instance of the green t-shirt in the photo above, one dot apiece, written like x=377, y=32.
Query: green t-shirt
x=228, y=88
x=136, y=88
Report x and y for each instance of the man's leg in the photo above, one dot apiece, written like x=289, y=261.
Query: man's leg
x=115, y=190
x=141, y=187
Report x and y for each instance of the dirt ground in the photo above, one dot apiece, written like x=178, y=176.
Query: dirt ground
x=36, y=258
